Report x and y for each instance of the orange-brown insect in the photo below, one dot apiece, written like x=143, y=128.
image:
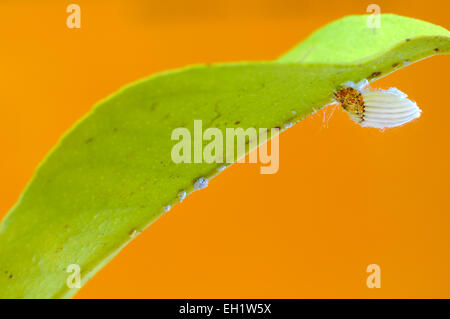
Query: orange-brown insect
x=351, y=100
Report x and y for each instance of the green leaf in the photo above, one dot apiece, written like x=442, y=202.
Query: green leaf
x=350, y=42
x=111, y=175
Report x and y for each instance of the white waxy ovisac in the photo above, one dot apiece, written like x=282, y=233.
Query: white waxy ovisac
x=387, y=108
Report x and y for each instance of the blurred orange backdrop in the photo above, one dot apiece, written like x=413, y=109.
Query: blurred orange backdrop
x=344, y=197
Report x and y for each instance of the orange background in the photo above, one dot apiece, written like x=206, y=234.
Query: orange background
x=365, y=196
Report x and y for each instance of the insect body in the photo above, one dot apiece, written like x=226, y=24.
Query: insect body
x=377, y=108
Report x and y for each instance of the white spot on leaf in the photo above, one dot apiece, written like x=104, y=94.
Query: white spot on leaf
x=182, y=195
x=200, y=183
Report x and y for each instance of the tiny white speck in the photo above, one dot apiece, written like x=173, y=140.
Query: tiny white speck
x=134, y=233
x=405, y=63
x=167, y=208
x=293, y=112
x=200, y=183
x=287, y=125
x=182, y=195
x=357, y=86
x=221, y=168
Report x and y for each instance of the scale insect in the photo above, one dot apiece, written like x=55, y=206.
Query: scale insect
x=376, y=108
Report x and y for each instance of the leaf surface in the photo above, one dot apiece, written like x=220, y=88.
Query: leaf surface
x=112, y=174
